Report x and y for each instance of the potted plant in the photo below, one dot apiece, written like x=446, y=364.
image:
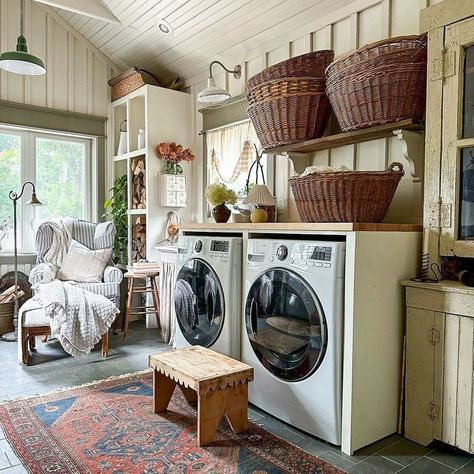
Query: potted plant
x=116, y=208
x=218, y=195
x=173, y=154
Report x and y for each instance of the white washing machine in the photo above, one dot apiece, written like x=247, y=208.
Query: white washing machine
x=293, y=332
x=208, y=293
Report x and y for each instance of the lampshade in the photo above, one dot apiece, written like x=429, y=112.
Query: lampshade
x=213, y=96
x=260, y=195
x=20, y=61
x=34, y=201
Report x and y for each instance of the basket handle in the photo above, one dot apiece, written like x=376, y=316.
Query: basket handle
x=395, y=164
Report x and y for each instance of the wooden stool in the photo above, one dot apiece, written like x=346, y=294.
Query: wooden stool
x=132, y=289
x=217, y=382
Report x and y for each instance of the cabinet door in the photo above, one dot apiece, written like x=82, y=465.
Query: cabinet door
x=424, y=375
x=457, y=161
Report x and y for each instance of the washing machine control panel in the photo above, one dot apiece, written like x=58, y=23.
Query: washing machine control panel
x=212, y=249
x=282, y=252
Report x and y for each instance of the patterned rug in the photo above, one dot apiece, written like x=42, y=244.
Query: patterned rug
x=110, y=427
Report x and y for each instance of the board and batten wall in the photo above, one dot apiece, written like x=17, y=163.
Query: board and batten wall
x=77, y=72
x=343, y=30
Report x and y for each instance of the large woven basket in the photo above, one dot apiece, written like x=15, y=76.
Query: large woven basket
x=291, y=118
x=383, y=82
x=306, y=65
x=346, y=196
x=131, y=80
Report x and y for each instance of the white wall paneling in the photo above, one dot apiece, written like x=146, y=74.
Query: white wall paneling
x=77, y=73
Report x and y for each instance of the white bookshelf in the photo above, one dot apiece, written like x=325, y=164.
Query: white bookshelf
x=166, y=116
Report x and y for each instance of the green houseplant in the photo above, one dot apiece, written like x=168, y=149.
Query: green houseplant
x=116, y=208
x=218, y=195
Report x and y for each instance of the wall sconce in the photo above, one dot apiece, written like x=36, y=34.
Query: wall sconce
x=213, y=96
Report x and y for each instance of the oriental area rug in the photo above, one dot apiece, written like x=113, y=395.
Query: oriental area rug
x=110, y=427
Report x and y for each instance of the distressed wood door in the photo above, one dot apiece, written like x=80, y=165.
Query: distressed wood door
x=457, y=160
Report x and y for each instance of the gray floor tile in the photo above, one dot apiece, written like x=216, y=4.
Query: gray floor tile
x=427, y=466
x=7, y=456
x=14, y=470
x=451, y=457
x=336, y=460
x=375, y=464
x=404, y=452
x=466, y=469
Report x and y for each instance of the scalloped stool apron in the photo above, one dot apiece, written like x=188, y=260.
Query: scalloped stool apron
x=218, y=383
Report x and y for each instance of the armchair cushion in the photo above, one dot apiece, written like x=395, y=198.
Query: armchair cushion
x=112, y=275
x=84, y=265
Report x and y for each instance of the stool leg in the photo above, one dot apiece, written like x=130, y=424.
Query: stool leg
x=163, y=388
x=236, y=407
x=24, y=346
x=129, y=307
x=210, y=410
x=156, y=300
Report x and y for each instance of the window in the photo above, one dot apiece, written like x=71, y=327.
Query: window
x=61, y=168
x=230, y=153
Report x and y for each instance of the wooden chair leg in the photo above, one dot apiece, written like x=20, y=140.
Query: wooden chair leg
x=32, y=341
x=105, y=344
x=129, y=307
x=24, y=346
x=156, y=300
x=115, y=324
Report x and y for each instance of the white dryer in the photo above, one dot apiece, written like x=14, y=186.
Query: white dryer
x=293, y=330
x=208, y=293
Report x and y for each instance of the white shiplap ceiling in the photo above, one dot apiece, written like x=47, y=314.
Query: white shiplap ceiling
x=204, y=30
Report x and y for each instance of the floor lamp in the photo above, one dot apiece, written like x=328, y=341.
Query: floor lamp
x=34, y=201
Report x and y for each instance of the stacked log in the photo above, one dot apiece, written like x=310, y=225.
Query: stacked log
x=138, y=184
x=139, y=239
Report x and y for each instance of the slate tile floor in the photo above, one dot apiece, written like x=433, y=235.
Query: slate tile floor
x=52, y=369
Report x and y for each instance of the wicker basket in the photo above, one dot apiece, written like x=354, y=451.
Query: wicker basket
x=6, y=317
x=291, y=118
x=346, y=196
x=130, y=80
x=306, y=65
x=381, y=83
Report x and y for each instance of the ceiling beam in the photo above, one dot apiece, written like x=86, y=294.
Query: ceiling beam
x=91, y=8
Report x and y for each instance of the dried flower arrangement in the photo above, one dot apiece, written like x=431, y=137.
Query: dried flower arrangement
x=173, y=154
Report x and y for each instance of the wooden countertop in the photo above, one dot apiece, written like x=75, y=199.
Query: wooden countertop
x=443, y=285
x=301, y=226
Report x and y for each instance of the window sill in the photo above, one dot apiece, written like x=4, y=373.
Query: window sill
x=8, y=258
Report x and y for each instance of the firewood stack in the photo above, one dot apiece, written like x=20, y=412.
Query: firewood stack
x=8, y=295
x=138, y=184
x=139, y=239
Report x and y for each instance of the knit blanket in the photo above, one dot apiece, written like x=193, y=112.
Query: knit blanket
x=78, y=318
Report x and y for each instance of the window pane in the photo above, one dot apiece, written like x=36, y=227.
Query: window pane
x=60, y=178
x=468, y=115
x=466, y=201
x=10, y=176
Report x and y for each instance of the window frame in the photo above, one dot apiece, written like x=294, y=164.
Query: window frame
x=28, y=138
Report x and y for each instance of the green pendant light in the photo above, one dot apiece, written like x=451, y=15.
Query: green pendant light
x=20, y=61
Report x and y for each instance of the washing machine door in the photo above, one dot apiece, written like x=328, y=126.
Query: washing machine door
x=285, y=324
x=199, y=303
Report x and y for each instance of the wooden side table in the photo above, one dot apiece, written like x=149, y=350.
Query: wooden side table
x=217, y=382
x=144, y=288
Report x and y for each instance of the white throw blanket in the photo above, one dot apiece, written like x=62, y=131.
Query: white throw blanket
x=78, y=318
x=62, y=232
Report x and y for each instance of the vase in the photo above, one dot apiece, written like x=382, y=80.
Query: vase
x=221, y=213
x=171, y=167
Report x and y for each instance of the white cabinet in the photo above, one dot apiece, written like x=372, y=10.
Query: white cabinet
x=173, y=190
x=440, y=355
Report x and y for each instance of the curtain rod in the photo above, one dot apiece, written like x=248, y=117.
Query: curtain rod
x=203, y=132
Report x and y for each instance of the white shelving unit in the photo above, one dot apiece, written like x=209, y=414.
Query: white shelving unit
x=166, y=116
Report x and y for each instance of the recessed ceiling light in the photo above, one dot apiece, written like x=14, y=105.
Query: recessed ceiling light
x=164, y=27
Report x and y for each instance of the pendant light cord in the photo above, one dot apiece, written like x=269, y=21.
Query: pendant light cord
x=22, y=17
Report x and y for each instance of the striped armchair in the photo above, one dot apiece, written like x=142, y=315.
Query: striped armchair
x=96, y=237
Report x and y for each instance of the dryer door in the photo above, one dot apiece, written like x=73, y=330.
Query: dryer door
x=285, y=324
x=199, y=303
